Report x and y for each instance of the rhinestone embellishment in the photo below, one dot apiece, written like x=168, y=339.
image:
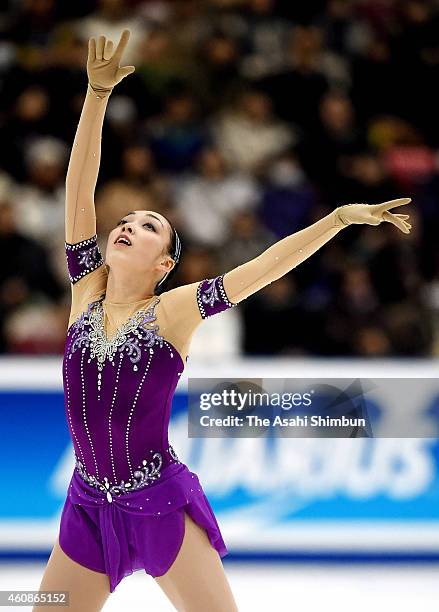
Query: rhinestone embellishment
x=173, y=454
x=85, y=256
x=211, y=294
x=149, y=472
x=92, y=334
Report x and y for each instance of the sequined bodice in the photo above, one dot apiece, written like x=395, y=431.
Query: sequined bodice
x=118, y=394
x=118, y=390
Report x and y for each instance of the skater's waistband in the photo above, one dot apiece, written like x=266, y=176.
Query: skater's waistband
x=147, y=473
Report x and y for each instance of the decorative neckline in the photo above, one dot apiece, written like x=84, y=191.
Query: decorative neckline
x=133, y=319
x=103, y=347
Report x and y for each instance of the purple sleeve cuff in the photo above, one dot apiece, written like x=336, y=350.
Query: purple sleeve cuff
x=82, y=258
x=211, y=297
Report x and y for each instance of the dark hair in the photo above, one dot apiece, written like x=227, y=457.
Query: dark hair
x=174, y=251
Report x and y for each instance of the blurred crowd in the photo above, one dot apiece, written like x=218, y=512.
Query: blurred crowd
x=244, y=122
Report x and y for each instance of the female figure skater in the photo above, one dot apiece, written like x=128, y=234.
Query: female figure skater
x=131, y=503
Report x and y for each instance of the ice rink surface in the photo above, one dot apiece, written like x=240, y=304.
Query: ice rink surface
x=278, y=587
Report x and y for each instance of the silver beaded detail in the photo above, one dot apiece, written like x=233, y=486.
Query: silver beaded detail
x=78, y=245
x=173, y=454
x=170, y=347
x=102, y=349
x=91, y=257
x=132, y=410
x=68, y=412
x=110, y=416
x=209, y=295
x=84, y=414
x=141, y=478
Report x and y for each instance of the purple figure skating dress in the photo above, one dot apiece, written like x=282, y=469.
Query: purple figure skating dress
x=127, y=496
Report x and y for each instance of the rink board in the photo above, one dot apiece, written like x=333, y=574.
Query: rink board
x=339, y=499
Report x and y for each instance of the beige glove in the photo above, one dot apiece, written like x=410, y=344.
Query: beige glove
x=103, y=68
x=373, y=214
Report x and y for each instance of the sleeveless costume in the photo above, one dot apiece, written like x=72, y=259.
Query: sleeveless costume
x=127, y=496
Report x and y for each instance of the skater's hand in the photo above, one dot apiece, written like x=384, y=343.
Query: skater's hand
x=373, y=214
x=103, y=68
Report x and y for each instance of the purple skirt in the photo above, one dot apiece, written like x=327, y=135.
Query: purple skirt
x=143, y=529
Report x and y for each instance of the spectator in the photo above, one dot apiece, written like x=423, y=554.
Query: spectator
x=250, y=135
x=217, y=79
x=288, y=197
x=364, y=179
x=353, y=307
x=176, y=136
x=39, y=204
x=208, y=200
x=29, y=119
x=159, y=64
x=330, y=143
x=26, y=274
x=248, y=235
x=264, y=39
x=311, y=70
x=273, y=322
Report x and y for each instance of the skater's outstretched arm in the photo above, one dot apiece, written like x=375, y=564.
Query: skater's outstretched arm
x=292, y=250
x=192, y=303
x=87, y=273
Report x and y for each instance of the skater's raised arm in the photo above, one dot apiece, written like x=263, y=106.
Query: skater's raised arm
x=88, y=275
x=104, y=73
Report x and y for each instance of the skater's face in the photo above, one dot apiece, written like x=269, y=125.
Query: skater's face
x=149, y=235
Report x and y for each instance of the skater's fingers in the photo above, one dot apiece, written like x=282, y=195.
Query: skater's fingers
x=392, y=203
x=108, y=50
x=100, y=47
x=399, y=223
x=91, y=49
x=122, y=44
